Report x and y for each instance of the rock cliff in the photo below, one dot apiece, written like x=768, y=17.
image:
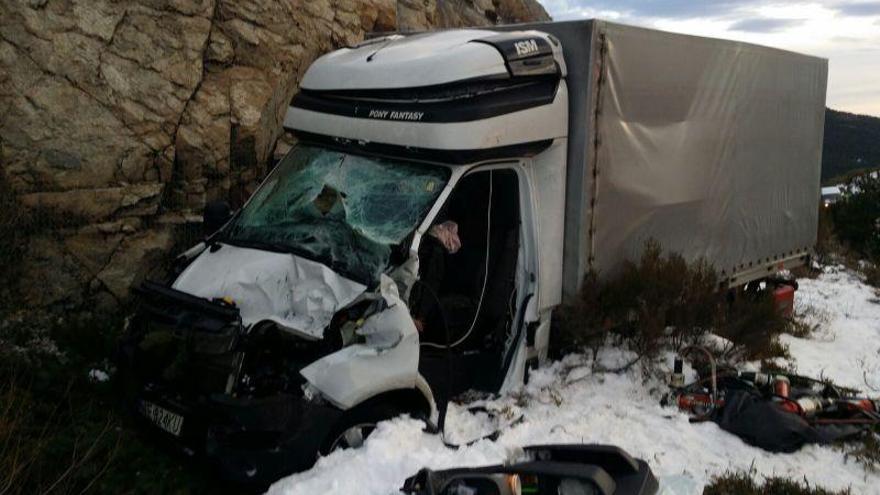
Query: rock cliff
x=119, y=119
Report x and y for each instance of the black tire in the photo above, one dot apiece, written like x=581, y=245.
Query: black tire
x=364, y=417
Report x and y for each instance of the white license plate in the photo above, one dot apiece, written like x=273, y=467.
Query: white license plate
x=163, y=418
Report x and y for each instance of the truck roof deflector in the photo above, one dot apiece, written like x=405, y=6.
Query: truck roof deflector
x=524, y=54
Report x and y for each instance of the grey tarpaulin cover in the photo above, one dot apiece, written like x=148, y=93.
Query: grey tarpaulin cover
x=711, y=147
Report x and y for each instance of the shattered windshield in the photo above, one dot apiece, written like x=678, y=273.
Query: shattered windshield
x=346, y=211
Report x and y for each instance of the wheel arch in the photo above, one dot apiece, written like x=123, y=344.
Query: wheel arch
x=410, y=400
x=419, y=399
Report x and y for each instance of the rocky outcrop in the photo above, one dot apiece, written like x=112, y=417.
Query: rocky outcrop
x=121, y=118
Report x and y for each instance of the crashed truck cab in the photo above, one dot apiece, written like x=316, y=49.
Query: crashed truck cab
x=293, y=329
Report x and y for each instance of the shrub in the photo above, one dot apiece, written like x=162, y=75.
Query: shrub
x=872, y=274
x=752, y=322
x=855, y=225
x=660, y=293
x=827, y=243
x=62, y=433
x=659, y=296
x=856, y=216
x=664, y=301
x=865, y=450
x=584, y=323
x=13, y=237
x=743, y=483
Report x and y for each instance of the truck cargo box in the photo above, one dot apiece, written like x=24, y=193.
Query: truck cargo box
x=711, y=147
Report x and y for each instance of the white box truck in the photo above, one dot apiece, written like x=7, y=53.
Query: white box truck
x=507, y=163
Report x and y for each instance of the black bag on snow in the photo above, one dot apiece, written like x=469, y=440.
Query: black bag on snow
x=762, y=423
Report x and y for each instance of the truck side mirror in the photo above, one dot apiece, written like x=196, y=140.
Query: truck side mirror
x=217, y=213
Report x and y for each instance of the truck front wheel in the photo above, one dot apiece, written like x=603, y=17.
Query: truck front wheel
x=357, y=424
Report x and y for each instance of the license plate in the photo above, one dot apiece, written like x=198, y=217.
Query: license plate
x=163, y=418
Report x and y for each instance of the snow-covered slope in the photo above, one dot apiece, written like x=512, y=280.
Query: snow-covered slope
x=846, y=348
x=566, y=403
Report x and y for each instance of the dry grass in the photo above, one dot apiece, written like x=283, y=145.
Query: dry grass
x=61, y=433
x=13, y=239
x=31, y=434
x=744, y=483
x=865, y=450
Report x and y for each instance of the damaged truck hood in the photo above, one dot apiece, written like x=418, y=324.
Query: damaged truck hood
x=298, y=294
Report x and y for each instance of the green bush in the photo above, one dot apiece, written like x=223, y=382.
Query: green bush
x=583, y=324
x=856, y=216
x=663, y=301
x=647, y=301
x=663, y=296
x=827, y=243
x=752, y=322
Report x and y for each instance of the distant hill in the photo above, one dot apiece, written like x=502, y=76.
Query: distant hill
x=852, y=142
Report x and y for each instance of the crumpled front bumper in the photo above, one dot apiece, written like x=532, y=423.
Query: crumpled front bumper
x=248, y=440
x=178, y=355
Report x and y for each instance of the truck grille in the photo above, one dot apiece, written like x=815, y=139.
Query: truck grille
x=183, y=343
x=176, y=358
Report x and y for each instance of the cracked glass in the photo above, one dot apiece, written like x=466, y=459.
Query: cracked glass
x=343, y=210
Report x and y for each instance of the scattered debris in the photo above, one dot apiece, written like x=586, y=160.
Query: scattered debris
x=779, y=412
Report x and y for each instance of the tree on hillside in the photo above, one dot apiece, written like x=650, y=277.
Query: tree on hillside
x=857, y=215
x=852, y=142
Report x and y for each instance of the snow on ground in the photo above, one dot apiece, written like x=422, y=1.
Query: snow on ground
x=99, y=376
x=846, y=348
x=565, y=403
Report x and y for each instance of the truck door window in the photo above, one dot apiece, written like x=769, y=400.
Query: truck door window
x=471, y=291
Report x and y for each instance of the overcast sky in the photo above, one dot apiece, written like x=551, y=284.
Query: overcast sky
x=846, y=32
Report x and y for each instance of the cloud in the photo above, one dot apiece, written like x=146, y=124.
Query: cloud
x=847, y=32
x=847, y=39
x=859, y=9
x=691, y=9
x=764, y=25
x=686, y=9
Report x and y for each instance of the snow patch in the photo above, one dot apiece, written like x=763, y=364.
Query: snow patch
x=846, y=347
x=566, y=402
x=99, y=376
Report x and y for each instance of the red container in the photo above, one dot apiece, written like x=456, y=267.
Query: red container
x=781, y=386
x=783, y=298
